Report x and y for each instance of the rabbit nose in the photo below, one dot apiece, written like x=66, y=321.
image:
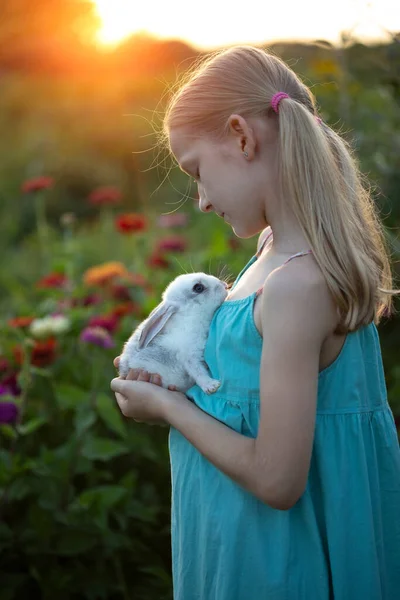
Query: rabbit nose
x=226, y=285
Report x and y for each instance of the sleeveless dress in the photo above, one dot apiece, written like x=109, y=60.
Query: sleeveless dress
x=341, y=540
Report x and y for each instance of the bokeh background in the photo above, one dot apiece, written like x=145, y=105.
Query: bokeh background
x=95, y=220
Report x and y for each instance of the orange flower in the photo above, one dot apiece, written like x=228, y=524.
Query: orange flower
x=36, y=184
x=105, y=195
x=130, y=222
x=43, y=353
x=103, y=274
x=21, y=321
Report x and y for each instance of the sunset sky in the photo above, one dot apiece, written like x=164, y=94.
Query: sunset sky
x=210, y=23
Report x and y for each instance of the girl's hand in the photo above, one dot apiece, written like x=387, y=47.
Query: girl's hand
x=140, y=401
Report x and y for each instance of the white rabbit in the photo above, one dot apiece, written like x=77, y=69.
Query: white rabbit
x=172, y=339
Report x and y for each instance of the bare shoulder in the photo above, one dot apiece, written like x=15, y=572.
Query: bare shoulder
x=298, y=292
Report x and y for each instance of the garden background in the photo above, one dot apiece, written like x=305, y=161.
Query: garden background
x=95, y=221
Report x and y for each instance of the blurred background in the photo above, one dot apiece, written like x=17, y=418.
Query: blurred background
x=95, y=220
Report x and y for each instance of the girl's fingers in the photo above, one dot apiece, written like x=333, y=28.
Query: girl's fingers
x=133, y=374
x=156, y=379
x=143, y=376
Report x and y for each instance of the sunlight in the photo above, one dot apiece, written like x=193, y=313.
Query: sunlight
x=220, y=23
x=120, y=19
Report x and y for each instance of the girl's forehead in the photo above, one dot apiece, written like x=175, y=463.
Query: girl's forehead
x=183, y=145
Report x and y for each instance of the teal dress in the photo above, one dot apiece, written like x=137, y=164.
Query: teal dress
x=341, y=540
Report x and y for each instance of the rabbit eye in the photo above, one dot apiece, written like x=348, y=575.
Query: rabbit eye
x=198, y=288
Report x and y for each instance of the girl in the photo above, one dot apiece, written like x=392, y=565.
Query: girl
x=286, y=481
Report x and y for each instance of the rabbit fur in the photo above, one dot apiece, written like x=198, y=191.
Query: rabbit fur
x=172, y=339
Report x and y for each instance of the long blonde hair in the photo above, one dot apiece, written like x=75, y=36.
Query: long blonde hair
x=318, y=173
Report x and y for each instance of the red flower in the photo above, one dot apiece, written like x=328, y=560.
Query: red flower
x=43, y=353
x=126, y=308
x=36, y=184
x=105, y=195
x=4, y=364
x=158, y=260
x=53, y=280
x=20, y=321
x=173, y=244
x=130, y=222
x=108, y=322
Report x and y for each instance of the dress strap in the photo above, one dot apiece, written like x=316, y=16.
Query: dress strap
x=259, y=291
x=263, y=244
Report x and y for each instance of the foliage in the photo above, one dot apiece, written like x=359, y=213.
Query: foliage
x=85, y=494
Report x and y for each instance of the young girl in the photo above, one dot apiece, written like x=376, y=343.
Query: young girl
x=286, y=481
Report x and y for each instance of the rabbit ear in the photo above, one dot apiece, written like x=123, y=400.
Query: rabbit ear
x=155, y=322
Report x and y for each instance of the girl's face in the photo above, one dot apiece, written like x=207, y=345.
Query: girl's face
x=229, y=183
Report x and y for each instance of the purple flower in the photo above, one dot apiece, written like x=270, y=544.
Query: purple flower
x=97, y=336
x=8, y=412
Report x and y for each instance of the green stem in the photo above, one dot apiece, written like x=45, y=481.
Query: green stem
x=42, y=227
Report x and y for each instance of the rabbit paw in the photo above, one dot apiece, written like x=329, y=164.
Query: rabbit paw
x=211, y=386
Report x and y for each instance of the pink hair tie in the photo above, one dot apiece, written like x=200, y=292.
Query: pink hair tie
x=276, y=98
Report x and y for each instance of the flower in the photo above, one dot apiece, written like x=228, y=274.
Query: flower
x=53, y=280
x=20, y=321
x=108, y=322
x=9, y=385
x=173, y=220
x=43, y=353
x=97, y=336
x=157, y=260
x=8, y=412
x=172, y=243
x=36, y=184
x=104, y=273
x=48, y=326
x=105, y=195
x=126, y=308
x=130, y=222
x=67, y=219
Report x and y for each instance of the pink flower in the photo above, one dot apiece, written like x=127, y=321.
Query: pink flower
x=173, y=220
x=172, y=244
x=97, y=336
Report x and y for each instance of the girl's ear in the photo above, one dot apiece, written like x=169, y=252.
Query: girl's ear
x=155, y=322
x=244, y=134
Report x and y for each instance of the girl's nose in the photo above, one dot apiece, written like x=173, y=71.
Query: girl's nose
x=204, y=205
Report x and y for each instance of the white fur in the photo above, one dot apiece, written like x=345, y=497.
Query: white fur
x=171, y=340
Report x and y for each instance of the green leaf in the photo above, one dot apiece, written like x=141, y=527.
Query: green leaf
x=31, y=426
x=111, y=415
x=70, y=396
x=84, y=419
x=104, y=496
x=74, y=542
x=102, y=448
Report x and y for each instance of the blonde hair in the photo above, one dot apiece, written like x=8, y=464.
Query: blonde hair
x=318, y=174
